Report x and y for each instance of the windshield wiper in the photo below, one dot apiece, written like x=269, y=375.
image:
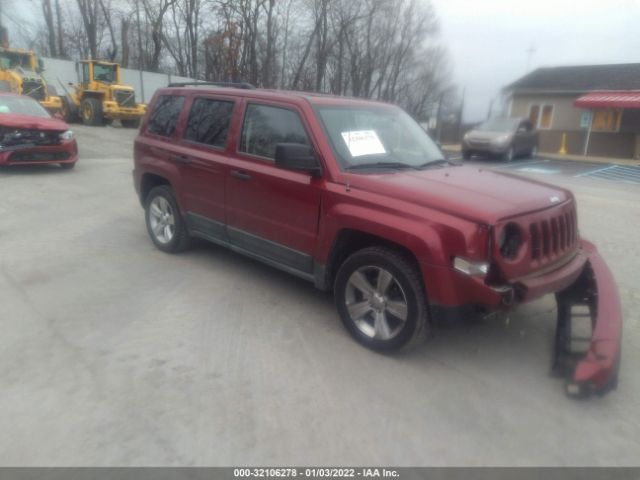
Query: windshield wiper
x=381, y=165
x=435, y=163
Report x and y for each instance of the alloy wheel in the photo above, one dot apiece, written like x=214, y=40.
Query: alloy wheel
x=162, y=220
x=376, y=303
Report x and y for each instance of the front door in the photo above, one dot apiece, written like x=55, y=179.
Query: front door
x=271, y=212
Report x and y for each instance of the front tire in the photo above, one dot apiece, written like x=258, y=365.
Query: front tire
x=165, y=224
x=91, y=112
x=380, y=299
x=67, y=166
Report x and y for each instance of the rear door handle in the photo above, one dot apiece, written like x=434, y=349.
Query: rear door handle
x=240, y=175
x=183, y=159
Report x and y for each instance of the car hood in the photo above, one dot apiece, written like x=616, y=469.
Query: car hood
x=478, y=135
x=11, y=120
x=480, y=195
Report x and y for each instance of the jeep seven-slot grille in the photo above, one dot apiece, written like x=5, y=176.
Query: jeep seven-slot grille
x=553, y=236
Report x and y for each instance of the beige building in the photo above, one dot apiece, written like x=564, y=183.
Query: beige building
x=596, y=107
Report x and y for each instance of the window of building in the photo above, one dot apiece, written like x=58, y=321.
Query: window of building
x=209, y=121
x=534, y=114
x=541, y=116
x=264, y=127
x=545, y=118
x=164, y=117
x=607, y=120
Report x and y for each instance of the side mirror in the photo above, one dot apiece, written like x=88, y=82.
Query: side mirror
x=58, y=115
x=295, y=156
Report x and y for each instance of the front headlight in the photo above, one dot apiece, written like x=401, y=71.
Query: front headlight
x=503, y=139
x=510, y=241
x=68, y=135
x=469, y=267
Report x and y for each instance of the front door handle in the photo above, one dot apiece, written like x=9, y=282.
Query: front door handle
x=240, y=175
x=183, y=159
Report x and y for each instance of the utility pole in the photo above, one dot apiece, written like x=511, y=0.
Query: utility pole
x=461, y=111
x=530, y=51
x=140, y=63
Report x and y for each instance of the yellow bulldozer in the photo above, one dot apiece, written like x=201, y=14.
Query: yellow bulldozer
x=100, y=97
x=20, y=72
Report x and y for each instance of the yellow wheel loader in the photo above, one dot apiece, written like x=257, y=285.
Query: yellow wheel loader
x=20, y=73
x=99, y=97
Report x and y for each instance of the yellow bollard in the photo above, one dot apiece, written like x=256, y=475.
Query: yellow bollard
x=563, y=145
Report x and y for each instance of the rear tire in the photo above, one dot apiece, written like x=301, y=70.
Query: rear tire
x=91, y=112
x=165, y=224
x=130, y=123
x=380, y=298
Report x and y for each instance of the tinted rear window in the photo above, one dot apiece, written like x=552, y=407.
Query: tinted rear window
x=209, y=121
x=164, y=117
x=264, y=127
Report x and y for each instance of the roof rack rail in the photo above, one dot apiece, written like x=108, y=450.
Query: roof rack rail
x=244, y=85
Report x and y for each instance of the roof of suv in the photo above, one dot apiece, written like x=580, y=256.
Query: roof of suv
x=276, y=95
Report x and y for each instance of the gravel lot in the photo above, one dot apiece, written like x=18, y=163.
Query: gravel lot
x=113, y=353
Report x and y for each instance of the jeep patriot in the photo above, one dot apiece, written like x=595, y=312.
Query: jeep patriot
x=355, y=197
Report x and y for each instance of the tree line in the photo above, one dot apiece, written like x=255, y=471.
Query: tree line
x=382, y=49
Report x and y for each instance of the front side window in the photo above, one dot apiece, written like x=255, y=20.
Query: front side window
x=209, y=122
x=265, y=127
x=377, y=137
x=164, y=117
x=104, y=73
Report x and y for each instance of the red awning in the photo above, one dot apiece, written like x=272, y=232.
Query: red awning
x=609, y=100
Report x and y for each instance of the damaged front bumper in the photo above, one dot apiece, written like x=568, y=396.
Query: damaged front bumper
x=589, y=363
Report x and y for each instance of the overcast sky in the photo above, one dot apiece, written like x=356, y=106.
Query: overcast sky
x=488, y=39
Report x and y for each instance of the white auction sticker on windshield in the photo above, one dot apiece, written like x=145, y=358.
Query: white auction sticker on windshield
x=363, y=142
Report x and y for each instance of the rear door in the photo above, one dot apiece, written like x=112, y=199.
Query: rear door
x=202, y=158
x=271, y=212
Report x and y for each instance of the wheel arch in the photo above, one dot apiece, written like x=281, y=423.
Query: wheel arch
x=348, y=241
x=148, y=182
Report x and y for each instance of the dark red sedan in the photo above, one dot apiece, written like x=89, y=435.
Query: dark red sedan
x=29, y=135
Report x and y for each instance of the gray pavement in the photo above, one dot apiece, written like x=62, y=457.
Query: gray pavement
x=113, y=353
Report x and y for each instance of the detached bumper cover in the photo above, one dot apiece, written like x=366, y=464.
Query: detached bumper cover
x=600, y=365
x=597, y=369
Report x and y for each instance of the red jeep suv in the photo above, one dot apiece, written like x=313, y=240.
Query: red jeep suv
x=355, y=197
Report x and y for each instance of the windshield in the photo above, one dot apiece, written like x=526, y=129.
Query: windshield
x=10, y=60
x=377, y=137
x=104, y=73
x=498, y=125
x=22, y=106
